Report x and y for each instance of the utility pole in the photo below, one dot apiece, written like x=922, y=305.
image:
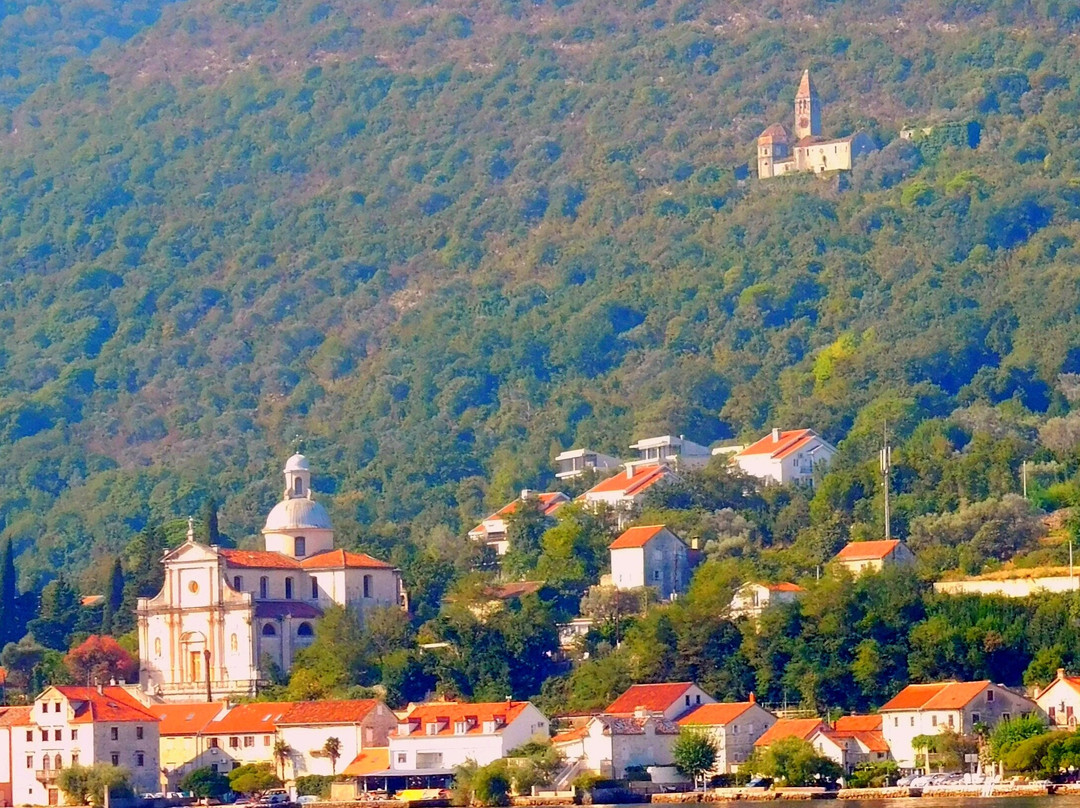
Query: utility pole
x=885, y=459
x=1023, y=476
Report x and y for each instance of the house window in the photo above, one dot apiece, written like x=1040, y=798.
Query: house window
x=249, y=741
x=656, y=575
x=233, y=643
x=56, y=734
x=1006, y=716
x=952, y=723
x=213, y=743
x=367, y=586
x=912, y=720
x=933, y=720
x=29, y=736
x=288, y=589
x=975, y=716
x=234, y=742
x=29, y=761
x=140, y=759
x=305, y=630
x=74, y=758
x=44, y=735
x=238, y=583
x=115, y=758
x=114, y=733
x=314, y=588
x=58, y=762
x=74, y=735
x=266, y=740
x=298, y=487
x=264, y=587
x=697, y=699
x=56, y=707
x=687, y=701
x=301, y=546
x=401, y=759
x=989, y=696
x=734, y=729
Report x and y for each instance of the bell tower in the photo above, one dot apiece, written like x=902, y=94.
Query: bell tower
x=807, y=109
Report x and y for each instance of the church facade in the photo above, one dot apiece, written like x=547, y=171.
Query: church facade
x=779, y=153
x=222, y=613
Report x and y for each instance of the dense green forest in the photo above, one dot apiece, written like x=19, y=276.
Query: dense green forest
x=442, y=241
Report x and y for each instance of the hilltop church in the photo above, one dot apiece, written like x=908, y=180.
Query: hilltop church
x=223, y=614
x=779, y=153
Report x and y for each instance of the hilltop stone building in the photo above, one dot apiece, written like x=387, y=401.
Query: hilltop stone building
x=223, y=614
x=779, y=153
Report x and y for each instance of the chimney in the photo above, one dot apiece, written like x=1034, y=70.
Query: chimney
x=525, y=493
x=100, y=689
x=629, y=470
x=1060, y=673
x=776, y=434
x=695, y=542
x=752, y=699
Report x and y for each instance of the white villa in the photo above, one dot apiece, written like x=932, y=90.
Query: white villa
x=783, y=457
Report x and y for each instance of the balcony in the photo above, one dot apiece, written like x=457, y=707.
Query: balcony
x=47, y=775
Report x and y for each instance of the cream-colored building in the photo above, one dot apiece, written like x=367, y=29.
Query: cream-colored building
x=860, y=557
x=306, y=726
x=223, y=613
x=1060, y=701
x=751, y=599
x=84, y=726
x=733, y=726
x=930, y=709
x=11, y=720
x=184, y=745
x=780, y=153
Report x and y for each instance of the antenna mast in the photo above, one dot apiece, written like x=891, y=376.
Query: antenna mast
x=885, y=458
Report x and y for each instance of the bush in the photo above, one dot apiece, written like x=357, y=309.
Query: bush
x=491, y=785
x=316, y=785
x=86, y=784
x=205, y=782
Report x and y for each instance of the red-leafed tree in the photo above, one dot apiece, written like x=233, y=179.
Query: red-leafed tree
x=98, y=660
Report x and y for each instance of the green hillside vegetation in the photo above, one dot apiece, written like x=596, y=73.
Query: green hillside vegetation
x=442, y=242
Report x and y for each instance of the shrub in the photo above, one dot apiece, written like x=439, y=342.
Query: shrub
x=317, y=785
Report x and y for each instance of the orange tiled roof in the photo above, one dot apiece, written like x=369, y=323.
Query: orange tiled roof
x=636, y=537
x=257, y=717
x=644, y=477
x=369, y=761
x=857, y=723
x=867, y=550
x=185, y=719
x=655, y=698
x=785, y=587
x=789, y=441
x=259, y=558
x=15, y=716
x=328, y=712
x=936, y=696
x=776, y=132
x=339, y=558
x=873, y=740
x=715, y=715
x=571, y=735
x=449, y=712
x=111, y=704
x=801, y=728
x=550, y=501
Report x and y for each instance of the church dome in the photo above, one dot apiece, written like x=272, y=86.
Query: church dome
x=297, y=463
x=297, y=514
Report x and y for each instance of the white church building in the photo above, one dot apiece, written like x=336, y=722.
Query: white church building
x=222, y=612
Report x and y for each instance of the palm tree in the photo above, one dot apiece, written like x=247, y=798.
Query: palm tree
x=281, y=754
x=332, y=749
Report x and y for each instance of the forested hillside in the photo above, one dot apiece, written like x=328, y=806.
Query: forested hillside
x=441, y=241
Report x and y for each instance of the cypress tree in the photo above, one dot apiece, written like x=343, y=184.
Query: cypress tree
x=114, y=599
x=211, y=521
x=11, y=624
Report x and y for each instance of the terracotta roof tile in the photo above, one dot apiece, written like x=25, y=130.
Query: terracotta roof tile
x=776, y=132
x=801, y=728
x=715, y=715
x=335, y=559
x=867, y=550
x=185, y=719
x=259, y=558
x=857, y=723
x=936, y=696
x=328, y=712
x=15, y=716
x=785, y=587
x=789, y=441
x=113, y=704
x=655, y=698
x=449, y=712
x=643, y=478
x=571, y=735
x=256, y=717
x=369, y=761
x=550, y=501
x=636, y=537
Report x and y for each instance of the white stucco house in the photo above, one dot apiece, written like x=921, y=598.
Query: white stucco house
x=852, y=740
x=434, y=738
x=357, y=724
x=81, y=725
x=1060, y=701
x=608, y=745
x=671, y=700
x=734, y=726
x=492, y=531
x=860, y=557
x=671, y=450
x=624, y=492
x=575, y=462
x=785, y=456
x=930, y=709
x=653, y=556
x=751, y=599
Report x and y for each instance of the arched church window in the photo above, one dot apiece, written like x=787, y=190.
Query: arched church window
x=58, y=762
x=264, y=587
x=157, y=646
x=298, y=486
x=288, y=589
x=301, y=546
x=233, y=644
x=269, y=631
x=305, y=630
